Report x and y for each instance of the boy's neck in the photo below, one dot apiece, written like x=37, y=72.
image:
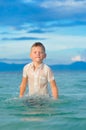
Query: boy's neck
x=36, y=65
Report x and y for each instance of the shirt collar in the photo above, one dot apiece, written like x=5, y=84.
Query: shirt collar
x=39, y=67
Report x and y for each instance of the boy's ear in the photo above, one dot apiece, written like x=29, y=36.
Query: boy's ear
x=30, y=55
x=45, y=55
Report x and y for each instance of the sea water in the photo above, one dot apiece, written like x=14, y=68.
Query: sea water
x=66, y=113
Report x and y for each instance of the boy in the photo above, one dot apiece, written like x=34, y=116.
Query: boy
x=37, y=74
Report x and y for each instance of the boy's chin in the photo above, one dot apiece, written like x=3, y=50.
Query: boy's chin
x=38, y=61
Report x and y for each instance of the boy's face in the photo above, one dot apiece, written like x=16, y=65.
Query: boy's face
x=37, y=54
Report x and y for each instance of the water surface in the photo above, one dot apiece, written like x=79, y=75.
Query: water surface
x=66, y=113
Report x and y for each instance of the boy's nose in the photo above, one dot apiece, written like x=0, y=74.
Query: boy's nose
x=38, y=53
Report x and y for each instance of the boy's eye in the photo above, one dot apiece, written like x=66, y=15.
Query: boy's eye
x=38, y=52
x=34, y=52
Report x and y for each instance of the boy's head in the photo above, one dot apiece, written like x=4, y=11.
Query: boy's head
x=37, y=53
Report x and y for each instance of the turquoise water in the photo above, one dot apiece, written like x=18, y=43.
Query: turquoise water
x=66, y=113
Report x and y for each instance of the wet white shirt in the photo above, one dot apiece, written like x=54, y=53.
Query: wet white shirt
x=38, y=79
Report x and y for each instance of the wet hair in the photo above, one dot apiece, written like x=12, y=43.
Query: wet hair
x=38, y=44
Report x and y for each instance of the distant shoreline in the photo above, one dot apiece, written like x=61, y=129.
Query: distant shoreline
x=18, y=67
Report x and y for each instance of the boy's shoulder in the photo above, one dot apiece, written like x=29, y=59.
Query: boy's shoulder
x=47, y=66
x=27, y=65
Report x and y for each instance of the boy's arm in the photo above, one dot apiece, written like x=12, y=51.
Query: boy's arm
x=54, y=89
x=23, y=87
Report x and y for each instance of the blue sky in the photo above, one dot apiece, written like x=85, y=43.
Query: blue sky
x=59, y=24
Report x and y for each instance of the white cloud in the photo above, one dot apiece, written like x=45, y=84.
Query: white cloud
x=77, y=58
x=65, y=3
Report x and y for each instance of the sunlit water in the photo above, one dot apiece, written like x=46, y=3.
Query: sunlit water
x=66, y=113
